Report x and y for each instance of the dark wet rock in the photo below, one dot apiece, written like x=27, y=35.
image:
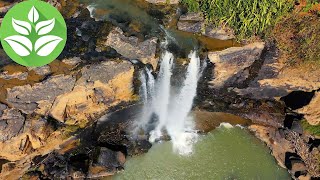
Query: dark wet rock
x=163, y=1
x=2, y=108
x=26, y=98
x=11, y=124
x=131, y=48
x=5, y=59
x=106, y=163
x=230, y=64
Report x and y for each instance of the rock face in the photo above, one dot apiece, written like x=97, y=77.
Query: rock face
x=101, y=86
x=27, y=98
x=163, y=1
x=291, y=150
x=312, y=111
x=275, y=79
x=195, y=23
x=11, y=123
x=106, y=163
x=230, y=64
x=131, y=48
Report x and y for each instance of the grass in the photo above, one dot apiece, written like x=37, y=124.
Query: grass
x=245, y=17
x=313, y=130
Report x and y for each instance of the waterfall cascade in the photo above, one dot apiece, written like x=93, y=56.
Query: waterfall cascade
x=171, y=109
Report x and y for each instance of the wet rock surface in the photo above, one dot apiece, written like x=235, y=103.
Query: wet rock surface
x=195, y=23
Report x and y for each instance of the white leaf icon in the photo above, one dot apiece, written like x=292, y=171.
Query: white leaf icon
x=20, y=44
x=33, y=15
x=46, y=44
x=44, y=27
x=21, y=27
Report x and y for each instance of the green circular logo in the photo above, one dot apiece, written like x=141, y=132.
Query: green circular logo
x=33, y=33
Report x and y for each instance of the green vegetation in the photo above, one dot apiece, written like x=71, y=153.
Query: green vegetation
x=297, y=36
x=313, y=130
x=245, y=17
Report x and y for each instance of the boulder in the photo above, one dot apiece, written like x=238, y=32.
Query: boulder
x=11, y=124
x=192, y=27
x=230, y=65
x=42, y=71
x=106, y=163
x=195, y=23
x=163, y=1
x=100, y=87
x=131, y=48
x=192, y=16
x=275, y=79
x=27, y=98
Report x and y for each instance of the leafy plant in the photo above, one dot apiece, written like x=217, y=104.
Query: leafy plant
x=246, y=17
x=313, y=130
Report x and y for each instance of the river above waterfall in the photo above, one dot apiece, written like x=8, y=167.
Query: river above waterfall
x=225, y=153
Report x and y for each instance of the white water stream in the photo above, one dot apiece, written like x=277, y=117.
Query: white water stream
x=172, y=109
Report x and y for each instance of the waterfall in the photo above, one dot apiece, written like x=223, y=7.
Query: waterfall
x=171, y=109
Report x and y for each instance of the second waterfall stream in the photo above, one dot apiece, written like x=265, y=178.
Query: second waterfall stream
x=166, y=111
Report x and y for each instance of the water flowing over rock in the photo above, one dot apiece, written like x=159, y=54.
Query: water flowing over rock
x=173, y=109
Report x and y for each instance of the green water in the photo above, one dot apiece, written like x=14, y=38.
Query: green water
x=222, y=154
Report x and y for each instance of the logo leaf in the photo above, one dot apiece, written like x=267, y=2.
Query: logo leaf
x=46, y=44
x=21, y=27
x=44, y=27
x=33, y=15
x=20, y=44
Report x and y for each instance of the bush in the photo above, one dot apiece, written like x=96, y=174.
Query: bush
x=297, y=36
x=313, y=130
x=245, y=17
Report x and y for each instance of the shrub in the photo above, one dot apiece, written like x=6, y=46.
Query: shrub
x=297, y=36
x=245, y=17
x=313, y=130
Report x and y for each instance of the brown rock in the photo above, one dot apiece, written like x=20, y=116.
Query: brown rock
x=100, y=87
x=26, y=98
x=131, y=48
x=163, y=1
x=231, y=63
x=312, y=111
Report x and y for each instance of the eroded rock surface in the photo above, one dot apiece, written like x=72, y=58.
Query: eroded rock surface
x=230, y=64
x=101, y=86
x=131, y=48
x=312, y=110
x=27, y=98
